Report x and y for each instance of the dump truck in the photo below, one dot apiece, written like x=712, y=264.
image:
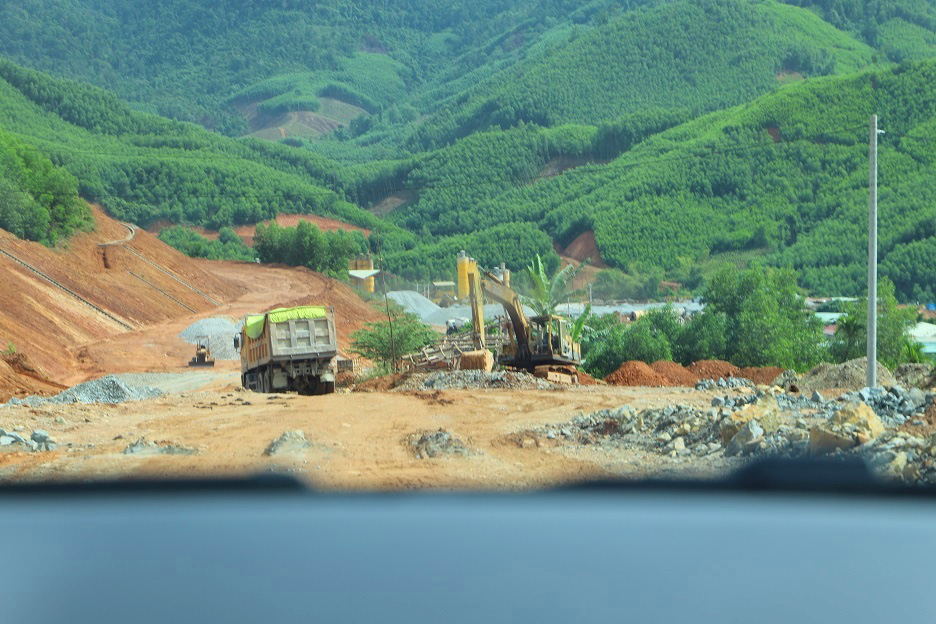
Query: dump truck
x=289, y=350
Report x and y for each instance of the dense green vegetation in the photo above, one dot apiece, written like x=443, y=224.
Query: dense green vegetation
x=228, y=245
x=145, y=168
x=385, y=342
x=698, y=55
x=38, y=201
x=306, y=245
x=681, y=133
x=752, y=318
x=851, y=334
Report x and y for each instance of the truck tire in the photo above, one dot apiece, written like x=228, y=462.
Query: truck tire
x=326, y=387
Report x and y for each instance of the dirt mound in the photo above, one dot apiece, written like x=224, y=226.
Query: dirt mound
x=636, y=373
x=382, y=384
x=851, y=375
x=916, y=375
x=19, y=378
x=675, y=373
x=761, y=374
x=714, y=369
x=12, y=384
x=585, y=379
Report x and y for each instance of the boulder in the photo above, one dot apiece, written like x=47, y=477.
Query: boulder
x=824, y=440
x=745, y=440
x=766, y=415
x=861, y=416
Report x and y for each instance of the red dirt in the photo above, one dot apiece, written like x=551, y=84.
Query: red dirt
x=72, y=342
x=584, y=246
x=761, y=375
x=675, y=373
x=246, y=232
x=381, y=384
x=636, y=373
x=585, y=379
x=17, y=382
x=713, y=369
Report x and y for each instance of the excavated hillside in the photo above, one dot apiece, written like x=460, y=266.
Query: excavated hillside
x=115, y=299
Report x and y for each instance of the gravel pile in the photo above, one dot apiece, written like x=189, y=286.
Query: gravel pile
x=435, y=444
x=220, y=331
x=109, y=389
x=414, y=303
x=731, y=383
x=474, y=380
x=289, y=442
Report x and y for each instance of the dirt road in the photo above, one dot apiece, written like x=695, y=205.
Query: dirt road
x=358, y=440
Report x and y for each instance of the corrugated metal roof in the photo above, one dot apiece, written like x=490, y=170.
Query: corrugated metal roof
x=363, y=273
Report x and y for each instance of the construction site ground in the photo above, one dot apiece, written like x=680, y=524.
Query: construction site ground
x=114, y=301
x=356, y=440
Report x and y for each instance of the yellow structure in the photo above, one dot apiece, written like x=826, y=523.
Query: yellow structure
x=367, y=263
x=462, y=264
x=362, y=272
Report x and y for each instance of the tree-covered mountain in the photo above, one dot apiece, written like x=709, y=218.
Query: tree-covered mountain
x=677, y=132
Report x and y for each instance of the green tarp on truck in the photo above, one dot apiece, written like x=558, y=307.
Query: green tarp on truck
x=254, y=324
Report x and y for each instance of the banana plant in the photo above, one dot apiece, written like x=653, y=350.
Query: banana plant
x=548, y=292
x=579, y=325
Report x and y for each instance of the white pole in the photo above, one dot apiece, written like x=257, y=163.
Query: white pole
x=872, y=259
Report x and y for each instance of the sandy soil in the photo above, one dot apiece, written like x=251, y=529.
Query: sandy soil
x=358, y=439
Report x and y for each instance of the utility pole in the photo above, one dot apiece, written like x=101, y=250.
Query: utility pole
x=872, y=257
x=383, y=279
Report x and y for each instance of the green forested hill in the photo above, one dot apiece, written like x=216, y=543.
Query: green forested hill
x=785, y=174
x=679, y=132
x=697, y=55
x=186, y=58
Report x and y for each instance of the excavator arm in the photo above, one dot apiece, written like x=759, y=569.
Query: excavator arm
x=494, y=289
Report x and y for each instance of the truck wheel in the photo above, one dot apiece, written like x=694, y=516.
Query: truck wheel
x=326, y=387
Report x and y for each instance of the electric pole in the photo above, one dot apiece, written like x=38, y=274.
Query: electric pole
x=872, y=257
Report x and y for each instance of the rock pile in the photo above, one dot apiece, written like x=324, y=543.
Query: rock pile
x=731, y=383
x=142, y=446
x=764, y=423
x=220, y=332
x=38, y=441
x=289, y=442
x=894, y=405
x=109, y=389
x=435, y=444
x=474, y=380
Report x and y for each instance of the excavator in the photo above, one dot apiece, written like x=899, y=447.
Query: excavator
x=542, y=344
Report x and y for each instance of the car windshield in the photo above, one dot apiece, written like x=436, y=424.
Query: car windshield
x=484, y=245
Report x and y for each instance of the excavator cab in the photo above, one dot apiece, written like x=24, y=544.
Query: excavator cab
x=551, y=341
